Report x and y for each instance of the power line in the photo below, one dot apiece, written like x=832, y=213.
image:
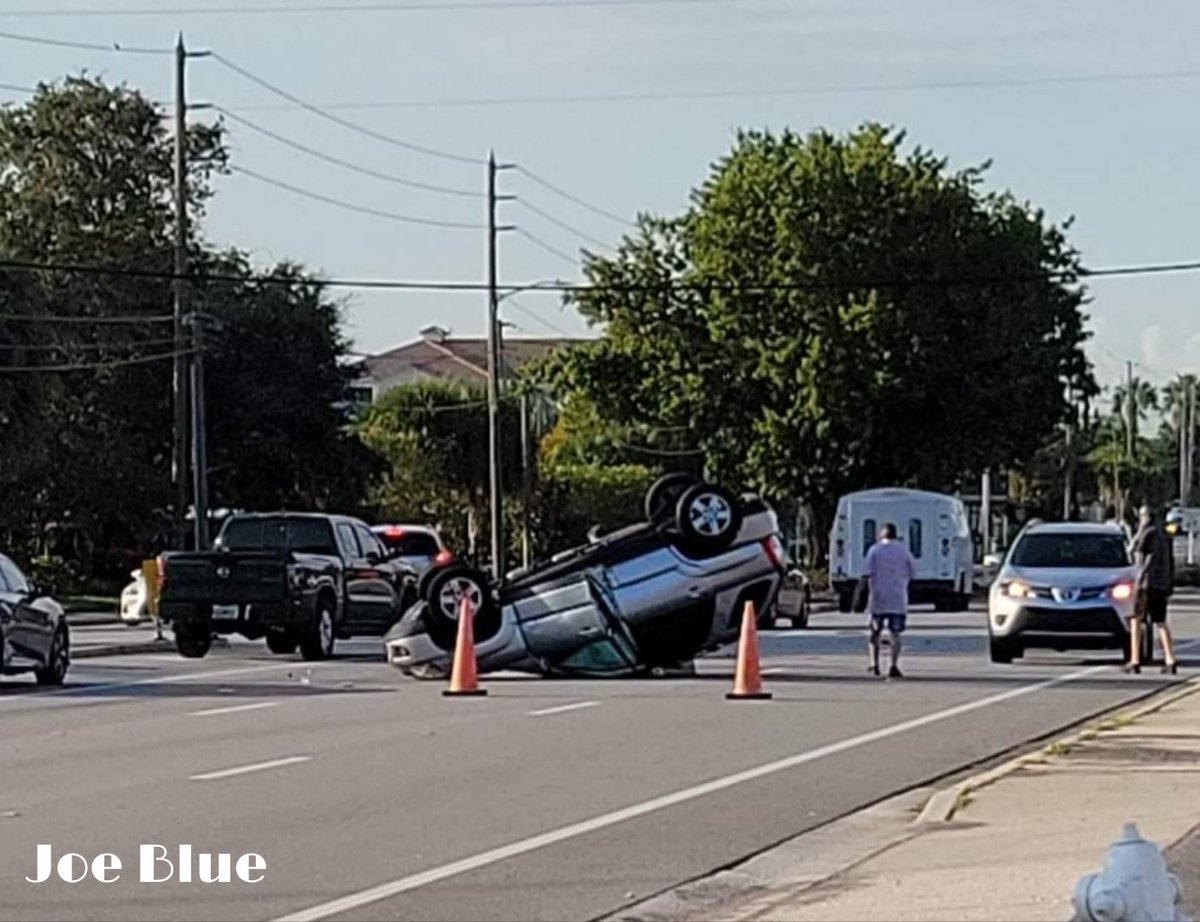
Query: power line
x=329, y=158
x=14, y=88
x=537, y=318
x=84, y=347
x=755, y=93
x=545, y=215
x=93, y=366
x=546, y=184
x=1064, y=277
x=87, y=46
x=345, y=123
x=350, y=206
x=548, y=248
x=39, y=318
x=411, y=7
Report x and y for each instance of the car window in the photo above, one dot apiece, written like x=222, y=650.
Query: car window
x=271, y=534
x=914, y=537
x=1067, y=550
x=414, y=543
x=13, y=579
x=367, y=541
x=868, y=535
x=347, y=540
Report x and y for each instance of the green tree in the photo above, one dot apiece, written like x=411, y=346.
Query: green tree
x=833, y=313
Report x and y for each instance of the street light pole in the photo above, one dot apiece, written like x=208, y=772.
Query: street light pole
x=179, y=441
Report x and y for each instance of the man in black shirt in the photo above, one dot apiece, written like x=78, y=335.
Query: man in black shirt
x=1155, y=557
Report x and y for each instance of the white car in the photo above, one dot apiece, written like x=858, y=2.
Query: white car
x=134, y=600
x=1064, y=586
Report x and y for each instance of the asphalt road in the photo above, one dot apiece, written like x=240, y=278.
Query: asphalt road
x=373, y=797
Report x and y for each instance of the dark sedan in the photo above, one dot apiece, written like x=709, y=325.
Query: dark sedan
x=33, y=629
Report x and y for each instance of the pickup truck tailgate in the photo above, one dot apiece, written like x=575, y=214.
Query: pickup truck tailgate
x=244, y=577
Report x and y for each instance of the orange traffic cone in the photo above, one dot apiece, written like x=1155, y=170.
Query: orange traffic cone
x=463, y=677
x=747, y=682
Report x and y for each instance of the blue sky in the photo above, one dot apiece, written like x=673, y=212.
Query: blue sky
x=1113, y=153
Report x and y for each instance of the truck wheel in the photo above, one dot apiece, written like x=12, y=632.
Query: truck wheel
x=445, y=594
x=55, y=670
x=845, y=600
x=708, y=517
x=193, y=641
x=316, y=643
x=663, y=496
x=281, y=642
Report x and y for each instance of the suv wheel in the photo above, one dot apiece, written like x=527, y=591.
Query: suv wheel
x=446, y=592
x=708, y=517
x=663, y=496
x=1002, y=650
x=317, y=642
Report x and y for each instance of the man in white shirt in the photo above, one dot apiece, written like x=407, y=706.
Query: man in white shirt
x=890, y=569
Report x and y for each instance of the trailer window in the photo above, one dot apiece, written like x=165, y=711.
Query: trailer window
x=914, y=537
x=868, y=535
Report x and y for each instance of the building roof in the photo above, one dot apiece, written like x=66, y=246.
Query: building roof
x=439, y=355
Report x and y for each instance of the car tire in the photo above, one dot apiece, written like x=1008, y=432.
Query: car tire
x=57, y=663
x=1001, y=650
x=193, y=640
x=800, y=622
x=282, y=643
x=663, y=496
x=317, y=642
x=708, y=517
x=444, y=595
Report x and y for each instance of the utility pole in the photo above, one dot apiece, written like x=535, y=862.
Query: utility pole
x=199, y=441
x=496, y=491
x=179, y=439
x=525, y=556
x=1130, y=411
x=1069, y=457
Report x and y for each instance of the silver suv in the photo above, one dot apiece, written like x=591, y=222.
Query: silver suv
x=1066, y=586
x=644, y=598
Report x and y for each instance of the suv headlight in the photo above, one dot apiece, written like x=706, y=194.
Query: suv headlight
x=1122, y=592
x=1017, y=589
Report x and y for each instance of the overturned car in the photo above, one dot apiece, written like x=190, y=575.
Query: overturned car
x=642, y=599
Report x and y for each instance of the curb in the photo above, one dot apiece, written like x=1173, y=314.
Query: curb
x=945, y=803
x=123, y=649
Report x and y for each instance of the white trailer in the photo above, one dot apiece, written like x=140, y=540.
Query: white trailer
x=935, y=528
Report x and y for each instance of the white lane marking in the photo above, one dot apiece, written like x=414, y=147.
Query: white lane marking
x=247, y=769
x=483, y=859
x=562, y=709
x=237, y=708
x=82, y=691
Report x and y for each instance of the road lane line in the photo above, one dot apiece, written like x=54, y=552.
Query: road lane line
x=563, y=709
x=235, y=709
x=247, y=769
x=392, y=888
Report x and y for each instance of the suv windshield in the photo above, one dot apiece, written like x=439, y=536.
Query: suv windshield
x=1067, y=551
x=311, y=536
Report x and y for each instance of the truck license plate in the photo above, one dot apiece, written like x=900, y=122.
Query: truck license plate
x=225, y=611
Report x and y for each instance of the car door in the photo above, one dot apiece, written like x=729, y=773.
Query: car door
x=357, y=605
x=381, y=582
x=31, y=627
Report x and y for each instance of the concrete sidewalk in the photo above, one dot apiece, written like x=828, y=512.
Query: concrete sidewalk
x=1009, y=844
x=117, y=639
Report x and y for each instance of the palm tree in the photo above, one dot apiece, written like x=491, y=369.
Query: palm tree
x=1179, y=400
x=1135, y=410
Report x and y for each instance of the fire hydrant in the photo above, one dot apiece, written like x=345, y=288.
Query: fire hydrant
x=1134, y=885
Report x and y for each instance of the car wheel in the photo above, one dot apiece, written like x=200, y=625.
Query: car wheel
x=708, y=517
x=55, y=670
x=663, y=496
x=1001, y=650
x=800, y=622
x=445, y=594
x=281, y=642
x=192, y=640
x=317, y=642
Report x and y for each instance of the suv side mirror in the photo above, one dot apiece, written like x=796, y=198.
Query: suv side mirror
x=992, y=560
x=373, y=558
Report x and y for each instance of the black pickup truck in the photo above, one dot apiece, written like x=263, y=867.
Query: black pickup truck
x=296, y=579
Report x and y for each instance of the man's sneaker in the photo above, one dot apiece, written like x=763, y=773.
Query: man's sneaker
x=895, y=673
x=873, y=670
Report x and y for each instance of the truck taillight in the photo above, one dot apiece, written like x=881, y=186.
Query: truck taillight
x=774, y=548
